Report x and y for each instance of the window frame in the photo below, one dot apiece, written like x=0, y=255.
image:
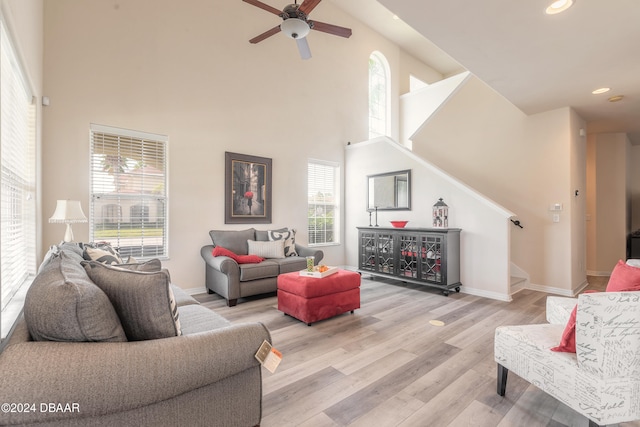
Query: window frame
x=18, y=210
x=336, y=207
x=379, y=111
x=142, y=148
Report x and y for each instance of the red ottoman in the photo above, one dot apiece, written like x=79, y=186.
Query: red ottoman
x=311, y=299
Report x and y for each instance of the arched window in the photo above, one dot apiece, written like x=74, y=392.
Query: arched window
x=378, y=95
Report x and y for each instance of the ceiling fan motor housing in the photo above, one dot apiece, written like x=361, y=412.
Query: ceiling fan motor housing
x=295, y=23
x=292, y=11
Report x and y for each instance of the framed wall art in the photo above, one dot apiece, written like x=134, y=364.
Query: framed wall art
x=247, y=189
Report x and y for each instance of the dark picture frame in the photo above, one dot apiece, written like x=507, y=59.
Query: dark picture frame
x=247, y=187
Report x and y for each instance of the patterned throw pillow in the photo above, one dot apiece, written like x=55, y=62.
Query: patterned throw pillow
x=266, y=249
x=101, y=252
x=289, y=237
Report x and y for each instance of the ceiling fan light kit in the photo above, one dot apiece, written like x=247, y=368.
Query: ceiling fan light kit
x=295, y=28
x=296, y=25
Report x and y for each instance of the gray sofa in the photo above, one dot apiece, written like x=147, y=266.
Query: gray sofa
x=231, y=280
x=204, y=375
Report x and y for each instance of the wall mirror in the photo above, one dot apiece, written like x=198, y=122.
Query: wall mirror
x=389, y=191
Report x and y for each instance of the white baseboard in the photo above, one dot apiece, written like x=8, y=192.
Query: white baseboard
x=558, y=291
x=582, y=286
x=485, y=294
x=195, y=291
x=463, y=289
x=598, y=273
x=521, y=285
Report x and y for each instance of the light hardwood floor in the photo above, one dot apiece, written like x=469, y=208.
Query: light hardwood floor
x=386, y=365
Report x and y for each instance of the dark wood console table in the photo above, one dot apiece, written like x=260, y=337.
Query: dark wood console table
x=426, y=256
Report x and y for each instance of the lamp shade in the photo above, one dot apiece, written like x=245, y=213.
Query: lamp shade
x=295, y=28
x=68, y=211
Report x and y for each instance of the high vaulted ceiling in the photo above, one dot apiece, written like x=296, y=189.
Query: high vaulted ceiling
x=539, y=62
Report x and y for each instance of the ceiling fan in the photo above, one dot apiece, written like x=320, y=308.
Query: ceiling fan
x=296, y=24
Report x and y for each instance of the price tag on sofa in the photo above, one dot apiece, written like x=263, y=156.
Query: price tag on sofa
x=268, y=356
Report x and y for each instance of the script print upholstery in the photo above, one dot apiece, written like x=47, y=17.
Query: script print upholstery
x=559, y=309
x=600, y=381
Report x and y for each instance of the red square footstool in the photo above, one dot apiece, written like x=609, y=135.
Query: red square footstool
x=311, y=299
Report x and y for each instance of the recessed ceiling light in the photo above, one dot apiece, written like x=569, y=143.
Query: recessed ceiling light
x=558, y=6
x=601, y=90
x=396, y=17
x=616, y=98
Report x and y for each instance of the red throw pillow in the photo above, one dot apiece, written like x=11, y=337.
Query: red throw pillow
x=240, y=259
x=249, y=259
x=568, y=340
x=624, y=278
x=220, y=251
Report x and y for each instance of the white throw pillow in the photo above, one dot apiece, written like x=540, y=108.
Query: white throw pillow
x=269, y=249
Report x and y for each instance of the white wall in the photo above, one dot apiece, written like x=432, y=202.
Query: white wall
x=410, y=66
x=187, y=70
x=417, y=107
x=485, y=226
x=522, y=162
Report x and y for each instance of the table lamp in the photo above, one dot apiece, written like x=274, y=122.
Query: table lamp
x=68, y=212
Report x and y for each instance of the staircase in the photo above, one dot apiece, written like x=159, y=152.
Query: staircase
x=517, y=284
x=519, y=279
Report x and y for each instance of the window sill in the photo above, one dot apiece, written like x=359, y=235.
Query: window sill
x=320, y=245
x=12, y=311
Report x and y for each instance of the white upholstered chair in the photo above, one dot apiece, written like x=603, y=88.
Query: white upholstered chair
x=602, y=379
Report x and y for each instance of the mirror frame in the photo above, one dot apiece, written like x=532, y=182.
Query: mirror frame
x=371, y=204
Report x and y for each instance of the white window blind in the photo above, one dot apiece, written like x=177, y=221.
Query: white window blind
x=323, y=202
x=17, y=182
x=378, y=95
x=128, y=205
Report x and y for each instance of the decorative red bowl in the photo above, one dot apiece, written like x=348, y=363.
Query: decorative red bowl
x=399, y=224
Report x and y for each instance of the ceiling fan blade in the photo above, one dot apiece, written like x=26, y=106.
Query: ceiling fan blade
x=307, y=6
x=268, y=33
x=303, y=48
x=331, y=29
x=264, y=6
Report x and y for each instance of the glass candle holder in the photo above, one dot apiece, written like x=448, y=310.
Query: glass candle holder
x=310, y=261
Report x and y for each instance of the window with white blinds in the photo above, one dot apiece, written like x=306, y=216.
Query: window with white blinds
x=323, y=184
x=17, y=183
x=128, y=205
